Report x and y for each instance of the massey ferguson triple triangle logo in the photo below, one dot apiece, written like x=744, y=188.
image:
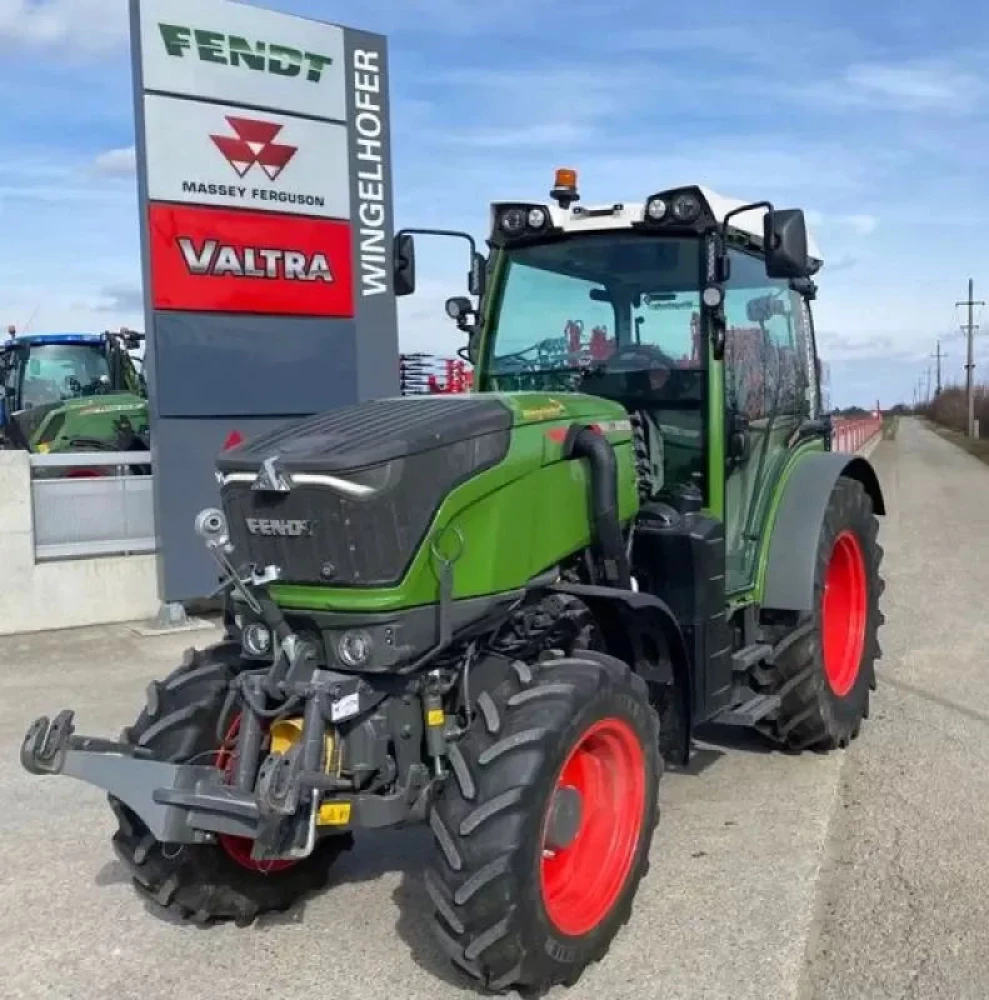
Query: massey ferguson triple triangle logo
x=254, y=144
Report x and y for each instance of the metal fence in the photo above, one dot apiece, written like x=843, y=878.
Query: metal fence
x=89, y=504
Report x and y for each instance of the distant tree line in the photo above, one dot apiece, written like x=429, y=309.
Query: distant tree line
x=950, y=409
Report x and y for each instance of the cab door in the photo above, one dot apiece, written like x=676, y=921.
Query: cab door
x=766, y=396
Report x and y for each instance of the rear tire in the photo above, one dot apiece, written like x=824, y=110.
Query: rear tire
x=206, y=882
x=825, y=677
x=505, y=911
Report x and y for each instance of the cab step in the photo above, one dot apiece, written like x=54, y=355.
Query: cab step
x=750, y=712
x=743, y=660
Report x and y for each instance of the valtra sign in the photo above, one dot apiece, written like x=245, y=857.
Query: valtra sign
x=210, y=260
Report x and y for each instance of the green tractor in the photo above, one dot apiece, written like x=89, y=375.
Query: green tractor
x=502, y=613
x=62, y=392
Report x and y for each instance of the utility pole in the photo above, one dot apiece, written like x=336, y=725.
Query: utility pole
x=970, y=329
x=939, y=354
x=927, y=398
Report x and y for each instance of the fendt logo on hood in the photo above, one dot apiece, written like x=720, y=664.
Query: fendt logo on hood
x=223, y=260
x=280, y=527
x=232, y=50
x=254, y=145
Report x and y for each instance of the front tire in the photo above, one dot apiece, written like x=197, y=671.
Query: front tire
x=544, y=828
x=217, y=881
x=826, y=676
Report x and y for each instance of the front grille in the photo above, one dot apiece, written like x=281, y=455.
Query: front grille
x=366, y=542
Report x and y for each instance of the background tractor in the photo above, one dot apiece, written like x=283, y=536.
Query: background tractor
x=73, y=392
x=502, y=612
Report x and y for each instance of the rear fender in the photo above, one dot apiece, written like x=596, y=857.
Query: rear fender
x=643, y=631
x=788, y=578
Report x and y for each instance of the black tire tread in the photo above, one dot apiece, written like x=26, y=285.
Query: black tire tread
x=200, y=883
x=478, y=895
x=810, y=717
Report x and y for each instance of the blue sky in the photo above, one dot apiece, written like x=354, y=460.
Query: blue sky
x=870, y=116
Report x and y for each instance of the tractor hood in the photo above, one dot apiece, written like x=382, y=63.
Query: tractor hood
x=345, y=498
x=365, y=435
x=109, y=419
x=371, y=434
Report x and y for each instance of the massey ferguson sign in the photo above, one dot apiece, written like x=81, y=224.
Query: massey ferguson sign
x=214, y=154
x=264, y=173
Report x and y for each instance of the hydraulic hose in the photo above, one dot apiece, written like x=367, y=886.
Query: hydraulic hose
x=584, y=442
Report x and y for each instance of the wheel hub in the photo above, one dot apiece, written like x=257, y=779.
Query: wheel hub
x=593, y=827
x=844, y=613
x=563, y=822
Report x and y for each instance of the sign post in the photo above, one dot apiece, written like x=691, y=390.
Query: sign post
x=264, y=181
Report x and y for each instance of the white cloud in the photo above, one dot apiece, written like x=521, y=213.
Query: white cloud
x=93, y=26
x=945, y=86
x=913, y=86
x=117, y=162
x=864, y=225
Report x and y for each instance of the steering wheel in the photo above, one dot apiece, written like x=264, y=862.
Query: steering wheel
x=637, y=356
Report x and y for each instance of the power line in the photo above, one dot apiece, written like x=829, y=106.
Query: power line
x=970, y=329
x=939, y=354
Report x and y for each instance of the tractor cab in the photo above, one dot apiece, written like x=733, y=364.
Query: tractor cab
x=690, y=309
x=47, y=380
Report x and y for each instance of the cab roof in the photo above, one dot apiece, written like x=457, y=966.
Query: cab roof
x=38, y=339
x=579, y=217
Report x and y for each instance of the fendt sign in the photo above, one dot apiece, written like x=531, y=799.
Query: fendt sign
x=266, y=211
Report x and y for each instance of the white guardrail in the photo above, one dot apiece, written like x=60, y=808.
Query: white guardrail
x=92, y=504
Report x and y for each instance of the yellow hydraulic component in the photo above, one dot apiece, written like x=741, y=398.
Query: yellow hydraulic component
x=286, y=733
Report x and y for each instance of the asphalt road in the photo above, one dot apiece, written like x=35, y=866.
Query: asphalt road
x=904, y=900
x=746, y=881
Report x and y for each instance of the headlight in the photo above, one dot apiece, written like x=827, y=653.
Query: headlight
x=513, y=221
x=656, y=209
x=354, y=648
x=537, y=218
x=686, y=208
x=256, y=639
x=676, y=207
x=520, y=220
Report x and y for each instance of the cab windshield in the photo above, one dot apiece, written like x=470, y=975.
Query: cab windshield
x=615, y=314
x=51, y=373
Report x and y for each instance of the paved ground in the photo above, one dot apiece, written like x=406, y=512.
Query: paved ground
x=735, y=893
x=904, y=903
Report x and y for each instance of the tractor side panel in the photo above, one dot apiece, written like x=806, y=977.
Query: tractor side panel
x=684, y=566
x=787, y=582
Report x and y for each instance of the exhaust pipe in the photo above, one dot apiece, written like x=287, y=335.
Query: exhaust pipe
x=584, y=442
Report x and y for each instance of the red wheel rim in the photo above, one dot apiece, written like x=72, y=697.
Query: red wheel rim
x=844, y=612
x=581, y=881
x=239, y=848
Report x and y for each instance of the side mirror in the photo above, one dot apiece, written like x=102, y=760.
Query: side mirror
x=404, y=266
x=785, y=241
